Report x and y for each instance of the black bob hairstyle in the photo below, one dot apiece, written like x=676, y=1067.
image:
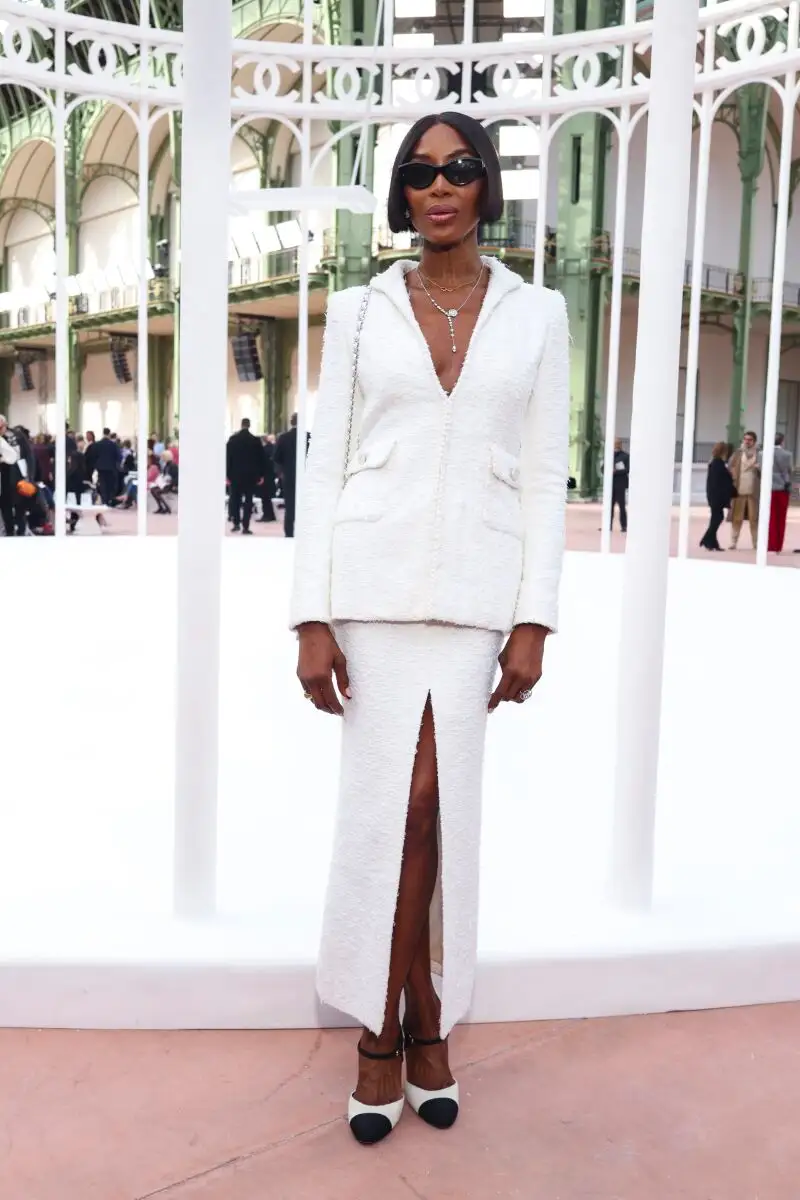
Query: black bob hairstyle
x=474, y=134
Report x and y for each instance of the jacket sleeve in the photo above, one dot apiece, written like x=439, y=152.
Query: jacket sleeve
x=324, y=472
x=8, y=453
x=544, y=470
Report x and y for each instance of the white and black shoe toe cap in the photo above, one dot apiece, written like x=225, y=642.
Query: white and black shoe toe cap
x=438, y=1109
x=370, y=1123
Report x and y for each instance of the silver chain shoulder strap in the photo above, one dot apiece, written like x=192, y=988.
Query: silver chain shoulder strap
x=362, y=312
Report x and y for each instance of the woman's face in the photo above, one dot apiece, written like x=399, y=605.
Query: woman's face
x=443, y=214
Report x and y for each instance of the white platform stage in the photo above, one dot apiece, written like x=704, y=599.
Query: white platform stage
x=87, y=937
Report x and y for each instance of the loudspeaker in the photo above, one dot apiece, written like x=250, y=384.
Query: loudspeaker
x=245, y=358
x=119, y=361
x=25, y=377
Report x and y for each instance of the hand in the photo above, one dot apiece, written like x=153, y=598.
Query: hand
x=318, y=661
x=521, y=664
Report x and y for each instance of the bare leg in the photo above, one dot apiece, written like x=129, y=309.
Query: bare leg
x=381, y=1082
x=427, y=1066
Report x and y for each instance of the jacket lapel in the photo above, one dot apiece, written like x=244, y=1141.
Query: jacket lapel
x=392, y=284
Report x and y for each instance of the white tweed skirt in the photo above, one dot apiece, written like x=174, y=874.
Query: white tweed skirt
x=393, y=668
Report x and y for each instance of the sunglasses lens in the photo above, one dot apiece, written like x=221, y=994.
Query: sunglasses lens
x=463, y=171
x=417, y=175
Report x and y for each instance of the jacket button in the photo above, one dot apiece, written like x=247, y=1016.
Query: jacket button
x=514, y=473
x=362, y=458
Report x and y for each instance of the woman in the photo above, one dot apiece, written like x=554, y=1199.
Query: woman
x=77, y=484
x=166, y=483
x=719, y=493
x=432, y=525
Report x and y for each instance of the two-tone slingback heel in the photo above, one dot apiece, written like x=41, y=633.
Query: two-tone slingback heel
x=371, y=1123
x=437, y=1108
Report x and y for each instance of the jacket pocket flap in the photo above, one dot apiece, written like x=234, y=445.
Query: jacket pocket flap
x=505, y=466
x=369, y=457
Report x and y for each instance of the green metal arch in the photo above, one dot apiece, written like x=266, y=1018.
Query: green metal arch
x=93, y=171
x=13, y=204
x=254, y=142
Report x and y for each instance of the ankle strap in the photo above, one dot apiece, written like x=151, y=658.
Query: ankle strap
x=396, y=1053
x=411, y=1040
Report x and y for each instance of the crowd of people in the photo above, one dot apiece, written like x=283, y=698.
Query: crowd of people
x=103, y=473
x=100, y=472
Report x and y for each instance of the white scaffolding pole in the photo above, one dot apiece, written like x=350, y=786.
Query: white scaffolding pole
x=664, y=229
x=205, y=189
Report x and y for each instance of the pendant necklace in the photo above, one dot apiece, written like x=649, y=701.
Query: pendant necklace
x=449, y=313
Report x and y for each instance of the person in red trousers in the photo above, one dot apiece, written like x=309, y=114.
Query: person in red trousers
x=781, y=494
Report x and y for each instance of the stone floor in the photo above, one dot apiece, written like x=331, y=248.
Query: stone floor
x=583, y=533
x=693, y=1106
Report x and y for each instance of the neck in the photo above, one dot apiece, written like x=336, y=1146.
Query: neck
x=451, y=265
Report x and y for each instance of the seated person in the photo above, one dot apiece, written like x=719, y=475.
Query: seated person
x=166, y=482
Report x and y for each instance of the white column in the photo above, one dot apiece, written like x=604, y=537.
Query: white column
x=546, y=148
x=302, y=264
x=468, y=35
x=205, y=191
x=664, y=229
x=776, y=313
x=62, y=364
x=618, y=261
x=695, y=312
x=615, y=322
x=388, y=40
x=143, y=323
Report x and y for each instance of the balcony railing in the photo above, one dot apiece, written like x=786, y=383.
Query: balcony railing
x=506, y=235
x=87, y=304
x=724, y=281
x=261, y=268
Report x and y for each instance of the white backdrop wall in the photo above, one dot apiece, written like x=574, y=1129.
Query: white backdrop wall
x=30, y=262
x=109, y=226
x=29, y=252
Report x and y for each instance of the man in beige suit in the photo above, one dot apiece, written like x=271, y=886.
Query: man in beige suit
x=745, y=467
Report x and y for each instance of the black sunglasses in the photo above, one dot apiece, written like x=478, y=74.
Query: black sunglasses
x=459, y=172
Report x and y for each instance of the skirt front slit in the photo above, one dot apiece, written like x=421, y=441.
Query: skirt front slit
x=393, y=669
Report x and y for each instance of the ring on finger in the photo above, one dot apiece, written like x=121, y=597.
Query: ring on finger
x=524, y=695
x=307, y=696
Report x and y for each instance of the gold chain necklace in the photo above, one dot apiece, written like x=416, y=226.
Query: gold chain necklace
x=441, y=288
x=450, y=313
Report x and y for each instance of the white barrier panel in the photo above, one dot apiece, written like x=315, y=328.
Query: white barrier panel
x=87, y=936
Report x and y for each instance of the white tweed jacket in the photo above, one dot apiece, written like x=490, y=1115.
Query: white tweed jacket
x=453, y=506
